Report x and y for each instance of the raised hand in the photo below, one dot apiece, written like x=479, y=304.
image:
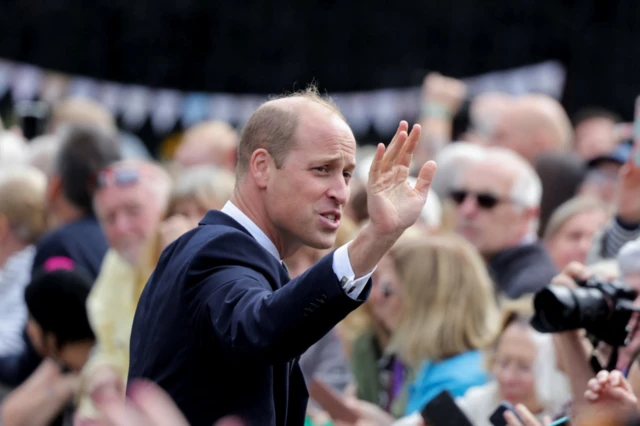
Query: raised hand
x=629, y=190
x=612, y=391
x=524, y=417
x=393, y=204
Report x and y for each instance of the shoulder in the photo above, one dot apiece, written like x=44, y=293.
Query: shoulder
x=479, y=398
x=464, y=368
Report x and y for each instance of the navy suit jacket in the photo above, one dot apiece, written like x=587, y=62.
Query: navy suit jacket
x=219, y=330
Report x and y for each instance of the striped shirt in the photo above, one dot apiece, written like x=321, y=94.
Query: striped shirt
x=616, y=236
x=14, y=277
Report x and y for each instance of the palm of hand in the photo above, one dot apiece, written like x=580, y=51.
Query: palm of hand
x=392, y=203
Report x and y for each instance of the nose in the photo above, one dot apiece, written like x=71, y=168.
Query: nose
x=339, y=191
x=468, y=207
x=120, y=225
x=584, y=244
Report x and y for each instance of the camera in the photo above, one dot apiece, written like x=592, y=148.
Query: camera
x=601, y=307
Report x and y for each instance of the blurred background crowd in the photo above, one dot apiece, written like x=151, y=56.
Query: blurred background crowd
x=538, y=181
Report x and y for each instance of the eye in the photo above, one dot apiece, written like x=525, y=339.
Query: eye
x=322, y=169
x=347, y=176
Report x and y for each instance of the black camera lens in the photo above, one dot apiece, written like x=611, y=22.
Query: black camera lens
x=601, y=308
x=556, y=310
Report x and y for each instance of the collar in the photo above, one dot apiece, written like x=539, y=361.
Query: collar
x=235, y=213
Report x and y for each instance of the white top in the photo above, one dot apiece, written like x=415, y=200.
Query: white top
x=341, y=263
x=14, y=277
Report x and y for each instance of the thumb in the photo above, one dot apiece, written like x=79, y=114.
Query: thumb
x=427, y=172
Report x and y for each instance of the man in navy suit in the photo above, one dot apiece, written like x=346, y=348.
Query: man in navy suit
x=220, y=325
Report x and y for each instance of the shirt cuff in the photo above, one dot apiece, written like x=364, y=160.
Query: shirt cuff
x=343, y=270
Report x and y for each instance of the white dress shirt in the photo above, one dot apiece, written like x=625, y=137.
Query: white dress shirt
x=14, y=277
x=341, y=263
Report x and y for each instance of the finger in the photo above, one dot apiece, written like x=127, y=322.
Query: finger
x=409, y=147
x=603, y=377
x=403, y=127
x=525, y=415
x=591, y=396
x=425, y=178
x=111, y=407
x=511, y=419
x=616, y=379
x=546, y=420
x=393, y=151
x=156, y=404
x=230, y=421
x=577, y=271
x=594, y=385
x=376, y=164
x=621, y=395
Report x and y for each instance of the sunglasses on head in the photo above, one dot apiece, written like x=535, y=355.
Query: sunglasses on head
x=484, y=200
x=117, y=177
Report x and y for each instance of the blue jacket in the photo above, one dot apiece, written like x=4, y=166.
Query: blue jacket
x=219, y=330
x=455, y=374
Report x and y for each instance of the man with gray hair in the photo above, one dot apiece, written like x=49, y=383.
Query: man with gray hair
x=497, y=199
x=130, y=201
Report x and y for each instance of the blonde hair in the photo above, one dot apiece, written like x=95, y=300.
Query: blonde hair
x=79, y=110
x=22, y=202
x=206, y=185
x=551, y=385
x=449, y=305
x=569, y=209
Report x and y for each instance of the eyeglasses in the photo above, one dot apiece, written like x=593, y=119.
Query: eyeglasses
x=484, y=200
x=117, y=177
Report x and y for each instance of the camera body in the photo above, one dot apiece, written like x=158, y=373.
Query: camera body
x=601, y=307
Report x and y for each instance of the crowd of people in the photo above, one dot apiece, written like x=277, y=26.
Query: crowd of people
x=524, y=199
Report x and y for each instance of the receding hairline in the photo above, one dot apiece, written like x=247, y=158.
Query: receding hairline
x=296, y=103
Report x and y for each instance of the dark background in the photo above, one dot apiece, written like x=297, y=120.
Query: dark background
x=249, y=46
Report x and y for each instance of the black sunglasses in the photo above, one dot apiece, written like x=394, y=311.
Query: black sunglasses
x=484, y=199
x=117, y=177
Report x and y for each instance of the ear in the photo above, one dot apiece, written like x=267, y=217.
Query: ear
x=261, y=166
x=54, y=189
x=4, y=226
x=232, y=159
x=50, y=344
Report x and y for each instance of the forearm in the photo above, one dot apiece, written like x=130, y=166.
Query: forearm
x=575, y=360
x=436, y=133
x=35, y=406
x=277, y=326
x=367, y=248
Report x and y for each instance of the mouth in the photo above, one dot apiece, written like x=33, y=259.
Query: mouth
x=332, y=219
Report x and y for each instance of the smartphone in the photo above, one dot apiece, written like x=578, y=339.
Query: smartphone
x=443, y=411
x=563, y=421
x=331, y=402
x=497, y=418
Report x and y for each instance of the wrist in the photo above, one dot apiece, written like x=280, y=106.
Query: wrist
x=435, y=109
x=367, y=248
x=628, y=222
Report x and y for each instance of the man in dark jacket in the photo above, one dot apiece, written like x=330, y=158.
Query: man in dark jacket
x=220, y=326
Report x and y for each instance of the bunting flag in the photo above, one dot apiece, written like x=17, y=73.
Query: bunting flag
x=134, y=105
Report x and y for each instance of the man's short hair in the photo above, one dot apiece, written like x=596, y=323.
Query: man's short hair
x=594, y=112
x=57, y=300
x=84, y=151
x=273, y=127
